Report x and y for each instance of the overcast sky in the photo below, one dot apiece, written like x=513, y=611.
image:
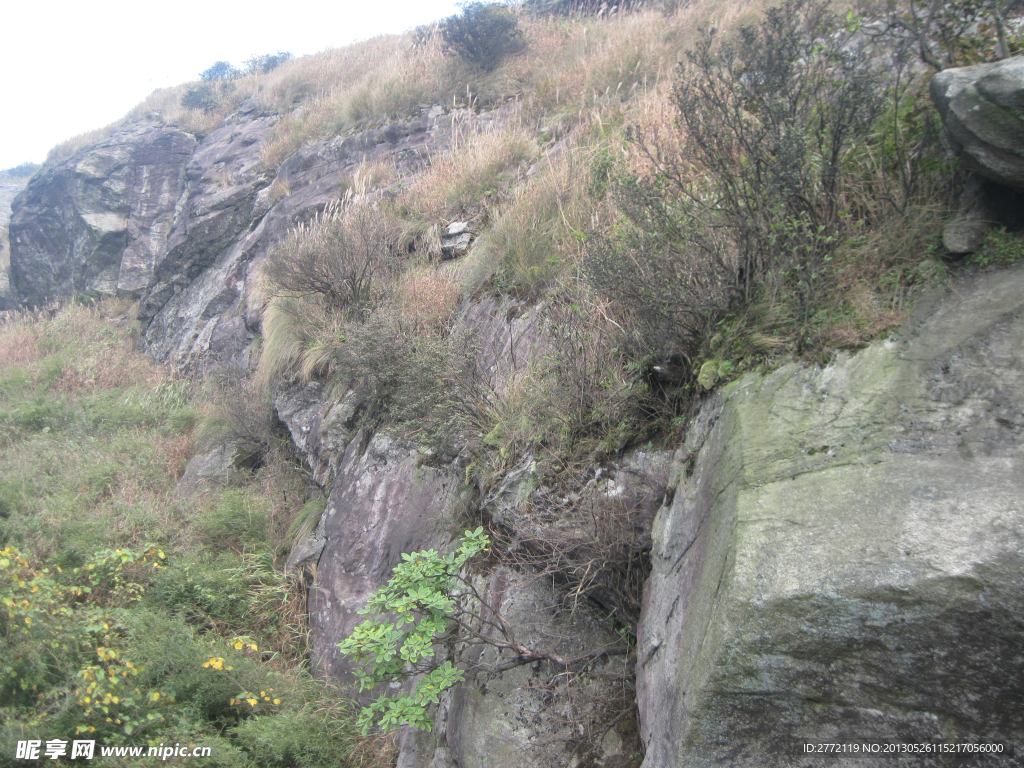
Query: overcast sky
x=70, y=67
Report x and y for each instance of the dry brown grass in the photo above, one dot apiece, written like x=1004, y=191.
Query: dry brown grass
x=19, y=342
x=107, y=358
x=570, y=70
x=382, y=79
x=478, y=169
x=427, y=299
x=537, y=238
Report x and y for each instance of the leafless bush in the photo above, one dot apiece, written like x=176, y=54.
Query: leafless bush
x=243, y=414
x=345, y=255
x=417, y=384
x=669, y=276
x=592, y=543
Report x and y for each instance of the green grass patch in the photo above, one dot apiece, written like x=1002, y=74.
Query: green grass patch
x=132, y=613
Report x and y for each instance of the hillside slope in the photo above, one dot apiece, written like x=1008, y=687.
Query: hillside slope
x=515, y=296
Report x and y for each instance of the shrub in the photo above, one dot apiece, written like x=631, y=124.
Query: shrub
x=242, y=414
x=423, y=386
x=772, y=117
x=749, y=195
x=484, y=34
x=261, y=64
x=669, y=276
x=203, y=97
x=23, y=171
x=345, y=256
x=221, y=70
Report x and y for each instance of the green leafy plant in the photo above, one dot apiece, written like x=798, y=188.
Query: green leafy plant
x=1001, y=248
x=423, y=619
x=221, y=70
x=203, y=96
x=413, y=612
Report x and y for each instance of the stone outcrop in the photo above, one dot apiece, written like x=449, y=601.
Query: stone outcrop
x=843, y=559
x=982, y=108
x=182, y=226
x=526, y=717
x=456, y=240
x=99, y=221
x=386, y=497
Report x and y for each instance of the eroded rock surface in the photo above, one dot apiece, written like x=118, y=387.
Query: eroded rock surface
x=386, y=498
x=99, y=221
x=183, y=226
x=205, y=307
x=844, y=556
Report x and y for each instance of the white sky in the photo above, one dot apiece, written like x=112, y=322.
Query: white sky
x=71, y=67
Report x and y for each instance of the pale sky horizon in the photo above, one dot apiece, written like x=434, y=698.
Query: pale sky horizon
x=70, y=67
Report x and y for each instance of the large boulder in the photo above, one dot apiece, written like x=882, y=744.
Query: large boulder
x=843, y=560
x=99, y=221
x=982, y=107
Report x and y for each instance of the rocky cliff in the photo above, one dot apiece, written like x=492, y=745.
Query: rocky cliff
x=151, y=213
x=9, y=189
x=842, y=559
x=836, y=552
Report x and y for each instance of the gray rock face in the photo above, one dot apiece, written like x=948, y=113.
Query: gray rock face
x=385, y=500
x=99, y=221
x=223, y=465
x=9, y=189
x=843, y=559
x=382, y=503
x=205, y=306
x=526, y=717
x=148, y=213
x=983, y=110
